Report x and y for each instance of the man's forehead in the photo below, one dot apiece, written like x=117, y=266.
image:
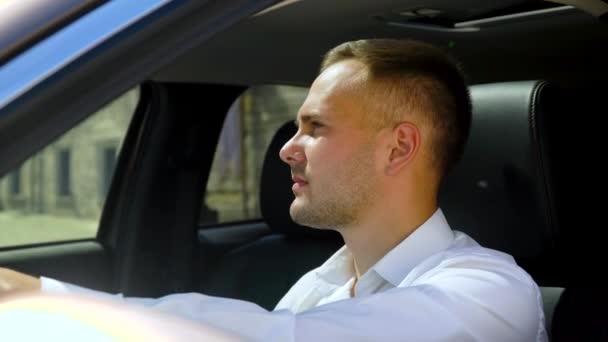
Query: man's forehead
x=334, y=89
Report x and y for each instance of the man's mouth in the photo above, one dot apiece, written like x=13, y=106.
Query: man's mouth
x=298, y=183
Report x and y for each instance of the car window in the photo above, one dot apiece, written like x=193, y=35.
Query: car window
x=233, y=186
x=58, y=194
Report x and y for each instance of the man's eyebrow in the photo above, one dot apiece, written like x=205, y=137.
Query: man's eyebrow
x=305, y=118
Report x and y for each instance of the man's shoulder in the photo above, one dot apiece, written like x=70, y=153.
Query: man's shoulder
x=469, y=269
x=466, y=256
x=486, y=278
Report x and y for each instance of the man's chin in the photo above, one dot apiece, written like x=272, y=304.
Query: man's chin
x=297, y=205
x=295, y=212
x=300, y=216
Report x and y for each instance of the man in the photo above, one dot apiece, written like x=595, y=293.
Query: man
x=382, y=125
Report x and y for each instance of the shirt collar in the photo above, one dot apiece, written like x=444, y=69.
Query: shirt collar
x=432, y=236
x=339, y=268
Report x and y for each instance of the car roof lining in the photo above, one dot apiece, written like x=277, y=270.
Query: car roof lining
x=284, y=46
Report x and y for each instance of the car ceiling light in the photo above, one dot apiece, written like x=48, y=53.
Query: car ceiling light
x=518, y=17
x=276, y=7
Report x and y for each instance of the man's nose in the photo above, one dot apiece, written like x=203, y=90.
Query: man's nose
x=292, y=153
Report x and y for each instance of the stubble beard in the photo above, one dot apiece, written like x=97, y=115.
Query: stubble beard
x=339, y=201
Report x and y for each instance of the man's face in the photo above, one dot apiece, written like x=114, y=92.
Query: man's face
x=332, y=156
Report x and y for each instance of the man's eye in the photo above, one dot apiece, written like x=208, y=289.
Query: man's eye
x=316, y=124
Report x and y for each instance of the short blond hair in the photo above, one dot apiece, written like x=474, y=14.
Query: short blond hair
x=413, y=77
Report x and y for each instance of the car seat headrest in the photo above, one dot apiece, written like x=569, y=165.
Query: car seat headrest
x=499, y=192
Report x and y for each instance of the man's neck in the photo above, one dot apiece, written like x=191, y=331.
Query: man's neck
x=371, y=241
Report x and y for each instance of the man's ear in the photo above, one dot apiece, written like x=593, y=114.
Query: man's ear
x=405, y=143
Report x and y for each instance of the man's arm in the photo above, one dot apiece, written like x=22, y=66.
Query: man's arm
x=477, y=312
x=448, y=305
x=463, y=299
x=13, y=283
x=452, y=304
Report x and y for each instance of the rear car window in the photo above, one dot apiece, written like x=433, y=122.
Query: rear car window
x=233, y=186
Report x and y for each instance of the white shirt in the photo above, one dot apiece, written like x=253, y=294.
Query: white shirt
x=436, y=285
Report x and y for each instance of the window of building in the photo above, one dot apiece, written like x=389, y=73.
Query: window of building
x=57, y=198
x=233, y=187
x=63, y=173
x=15, y=182
x=108, y=157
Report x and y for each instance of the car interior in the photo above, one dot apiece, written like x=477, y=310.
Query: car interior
x=537, y=73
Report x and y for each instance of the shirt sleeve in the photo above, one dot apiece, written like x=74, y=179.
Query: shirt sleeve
x=52, y=286
x=453, y=304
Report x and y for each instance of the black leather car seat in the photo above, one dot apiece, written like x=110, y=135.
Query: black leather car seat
x=524, y=186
